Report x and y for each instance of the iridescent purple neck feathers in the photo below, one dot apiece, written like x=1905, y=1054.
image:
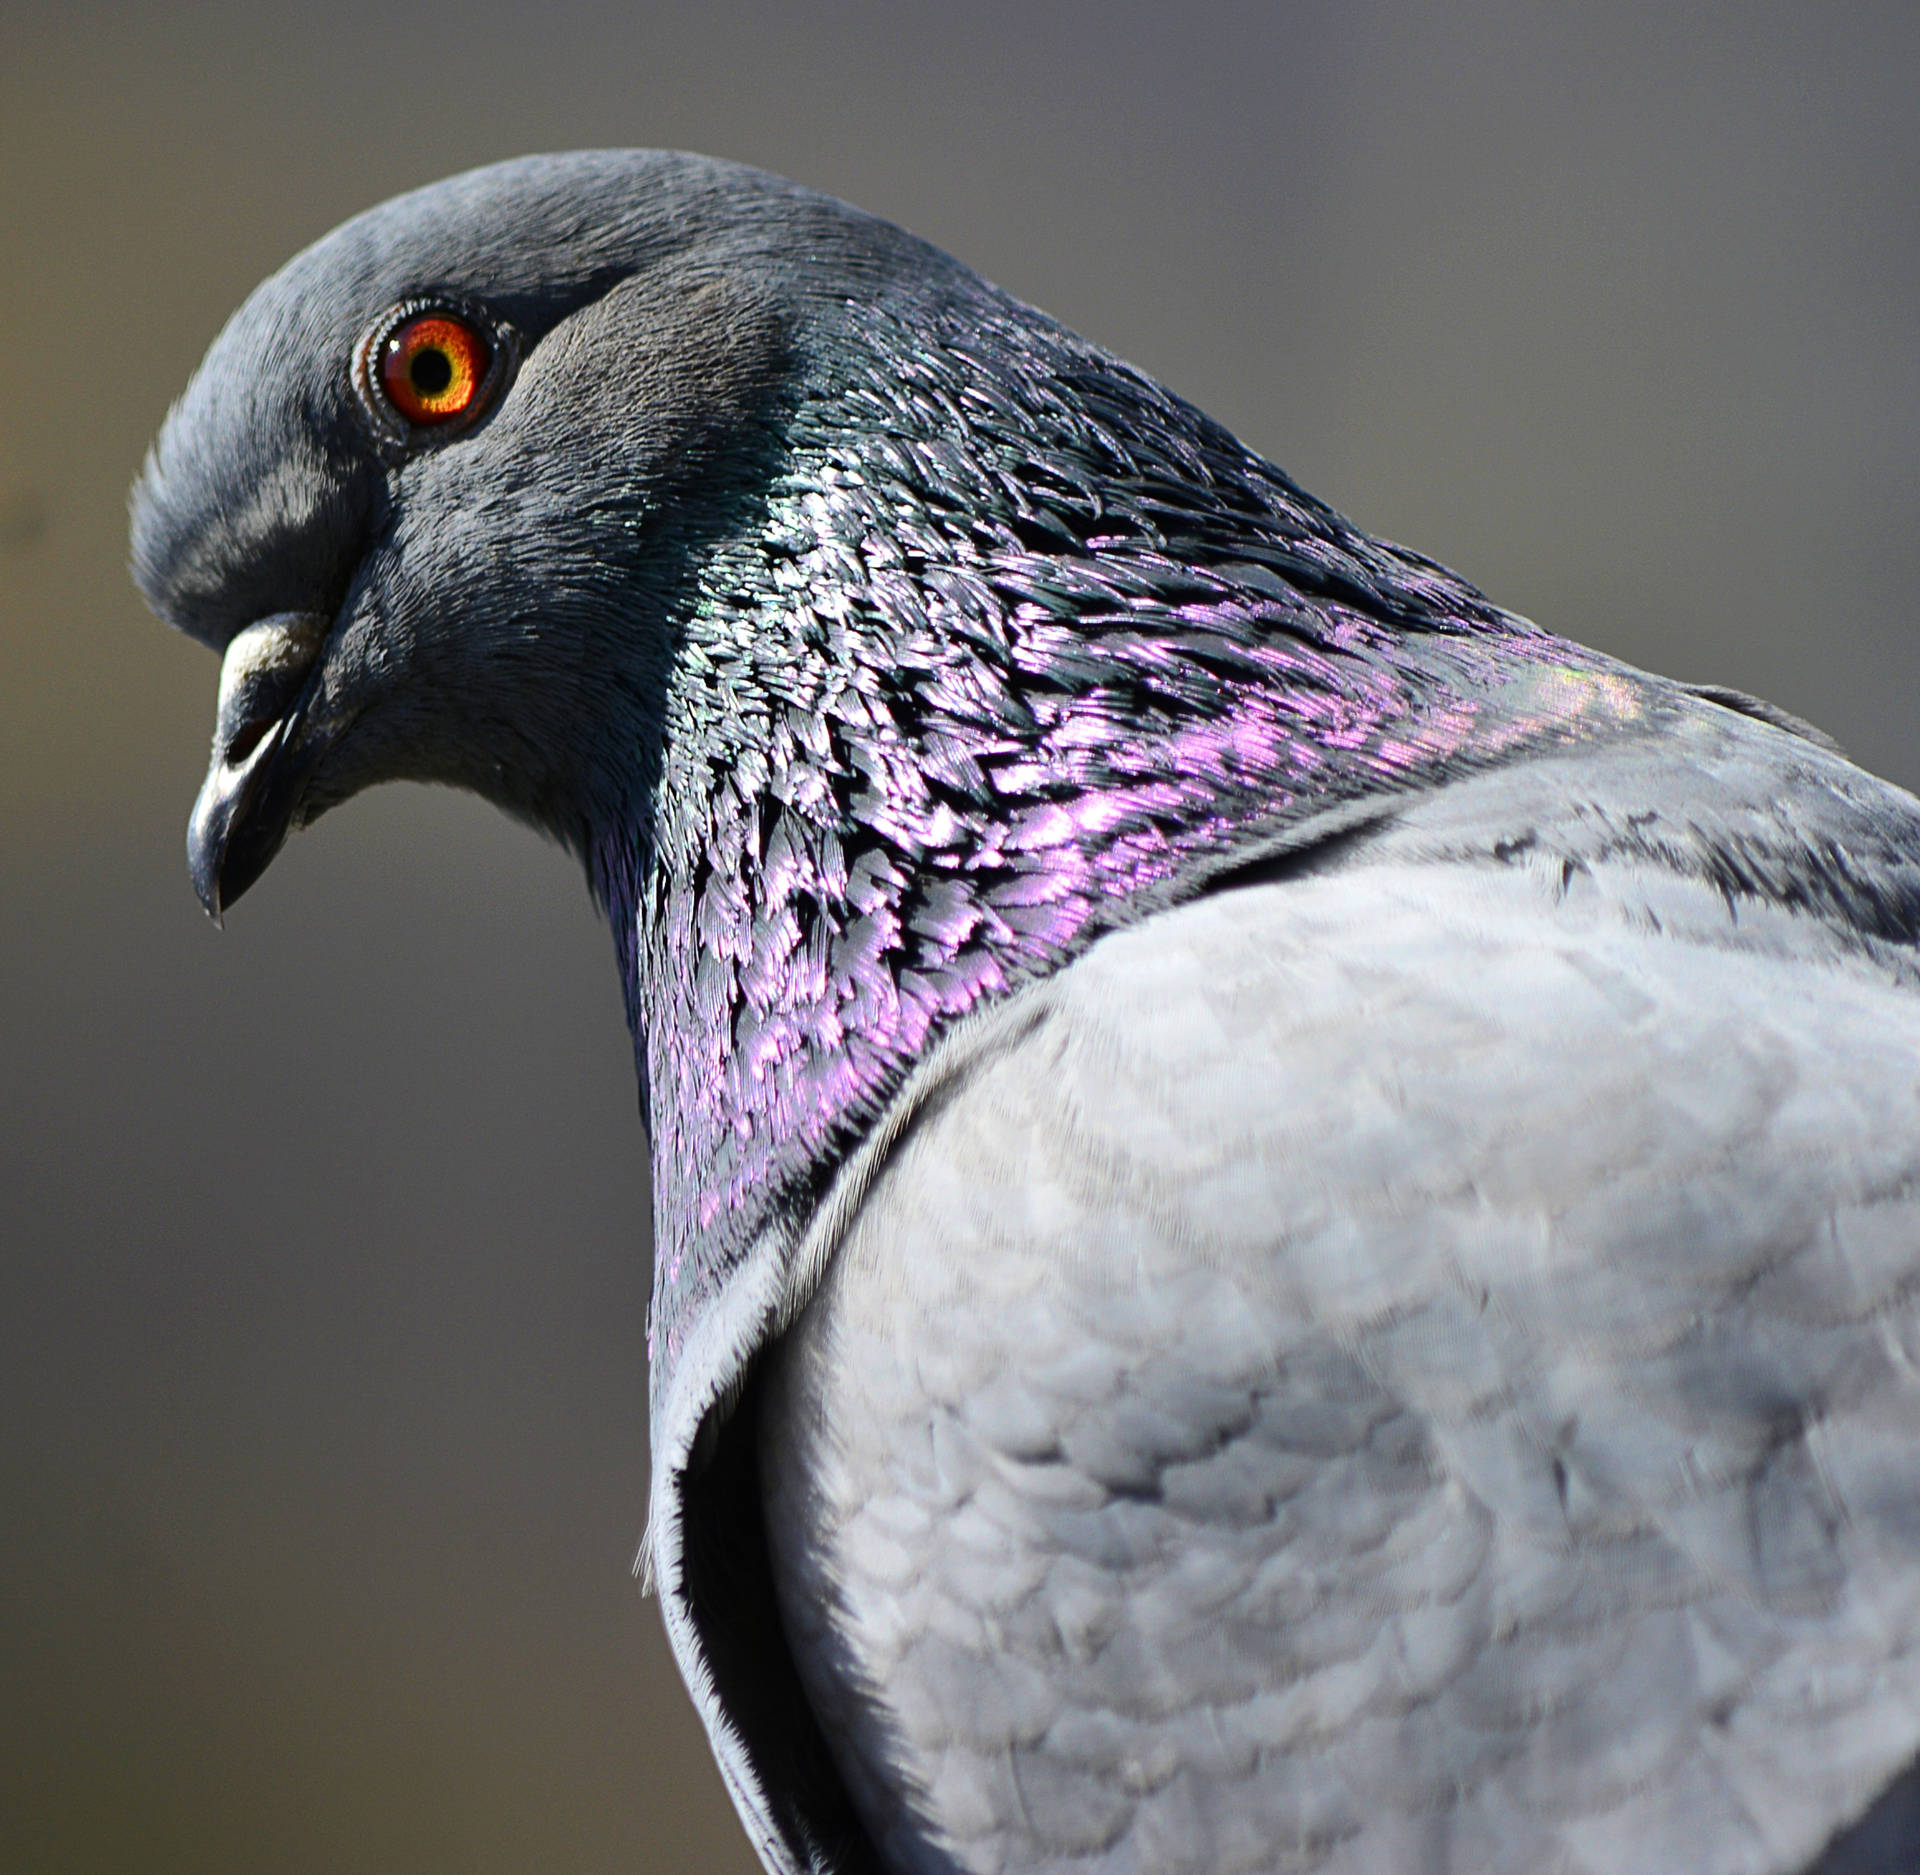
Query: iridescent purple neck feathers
x=1023, y=646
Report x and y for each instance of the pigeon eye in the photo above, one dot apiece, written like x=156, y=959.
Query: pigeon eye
x=434, y=367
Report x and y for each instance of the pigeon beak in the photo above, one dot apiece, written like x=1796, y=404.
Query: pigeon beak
x=262, y=756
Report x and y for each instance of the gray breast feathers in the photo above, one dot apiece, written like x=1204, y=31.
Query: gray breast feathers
x=1409, y=1368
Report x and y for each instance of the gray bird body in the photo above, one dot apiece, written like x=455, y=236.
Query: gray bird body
x=1286, y=1220
x=1408, y=1367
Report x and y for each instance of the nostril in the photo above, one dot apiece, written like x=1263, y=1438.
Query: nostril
x=246, y=736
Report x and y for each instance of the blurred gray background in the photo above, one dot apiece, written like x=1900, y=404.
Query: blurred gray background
x=323, y=1252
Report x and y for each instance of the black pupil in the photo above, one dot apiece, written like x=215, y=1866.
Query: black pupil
x=431, y=371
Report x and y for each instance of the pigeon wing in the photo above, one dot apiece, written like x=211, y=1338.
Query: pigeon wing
x=1410, y=1366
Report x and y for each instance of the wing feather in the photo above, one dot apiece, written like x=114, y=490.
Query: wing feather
x=1408, y=1368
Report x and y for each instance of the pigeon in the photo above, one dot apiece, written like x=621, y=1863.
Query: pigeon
x=1286, y=1209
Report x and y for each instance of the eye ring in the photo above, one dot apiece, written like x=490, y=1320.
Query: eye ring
x=429, y=370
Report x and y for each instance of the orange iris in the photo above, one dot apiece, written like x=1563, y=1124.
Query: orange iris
x=432, y=367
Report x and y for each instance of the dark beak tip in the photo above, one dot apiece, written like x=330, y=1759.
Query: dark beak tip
x=230, y=842
x=235, y=830
x=207, y=850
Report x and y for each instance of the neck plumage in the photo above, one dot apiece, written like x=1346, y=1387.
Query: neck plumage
x=1021, y=651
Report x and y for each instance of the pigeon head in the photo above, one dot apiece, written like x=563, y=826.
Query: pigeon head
x=433, y=488
x=874, y=640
